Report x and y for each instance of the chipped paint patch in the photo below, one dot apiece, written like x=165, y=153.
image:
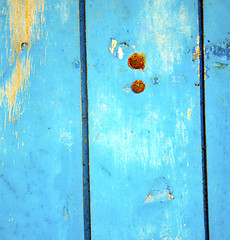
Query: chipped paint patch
x=25, y=18
x=117, y=50
x=112, y=47
x=160, y=191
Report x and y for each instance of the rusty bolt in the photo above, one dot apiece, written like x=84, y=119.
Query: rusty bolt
x=136, y=61
x=138, y=86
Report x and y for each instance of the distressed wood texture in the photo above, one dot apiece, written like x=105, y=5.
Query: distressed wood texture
x=217, y=56
x=40, y=121
x=145, y=158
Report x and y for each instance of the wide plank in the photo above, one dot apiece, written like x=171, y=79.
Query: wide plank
x=145, y=149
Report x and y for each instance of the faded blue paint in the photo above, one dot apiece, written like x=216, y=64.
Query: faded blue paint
x=138, y=138
x=218, y=115
x=41, y=168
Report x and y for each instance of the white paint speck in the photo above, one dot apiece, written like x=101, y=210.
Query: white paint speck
x=113, y=46
x=120, y=53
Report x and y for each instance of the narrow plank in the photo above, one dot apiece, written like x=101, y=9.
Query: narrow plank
x=217, y=56
x=145, y=156
x=40, y=121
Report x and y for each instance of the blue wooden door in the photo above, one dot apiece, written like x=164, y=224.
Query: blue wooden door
x=114, y=120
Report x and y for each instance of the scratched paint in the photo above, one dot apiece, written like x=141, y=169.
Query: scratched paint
x=25, y=18
x=127, y=88
x=158, y=30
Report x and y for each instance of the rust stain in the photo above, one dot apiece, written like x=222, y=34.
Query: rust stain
x=25, y=18
x=196, y=54
x=136, y=61
x=189, y=112
x=138, y=86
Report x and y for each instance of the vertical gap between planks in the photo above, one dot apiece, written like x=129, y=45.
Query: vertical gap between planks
x=202, y=116
x=85, y=129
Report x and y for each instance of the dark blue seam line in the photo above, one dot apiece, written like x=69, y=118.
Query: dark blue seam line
x=202, y=117
x=85, y=129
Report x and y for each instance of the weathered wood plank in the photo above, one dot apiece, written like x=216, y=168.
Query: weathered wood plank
x=217, y=56
x=145, y=159
x=40, y=121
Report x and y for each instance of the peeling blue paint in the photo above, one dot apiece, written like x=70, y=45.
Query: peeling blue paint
x=220, y=65
x=160, y=192
x=219, y=50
